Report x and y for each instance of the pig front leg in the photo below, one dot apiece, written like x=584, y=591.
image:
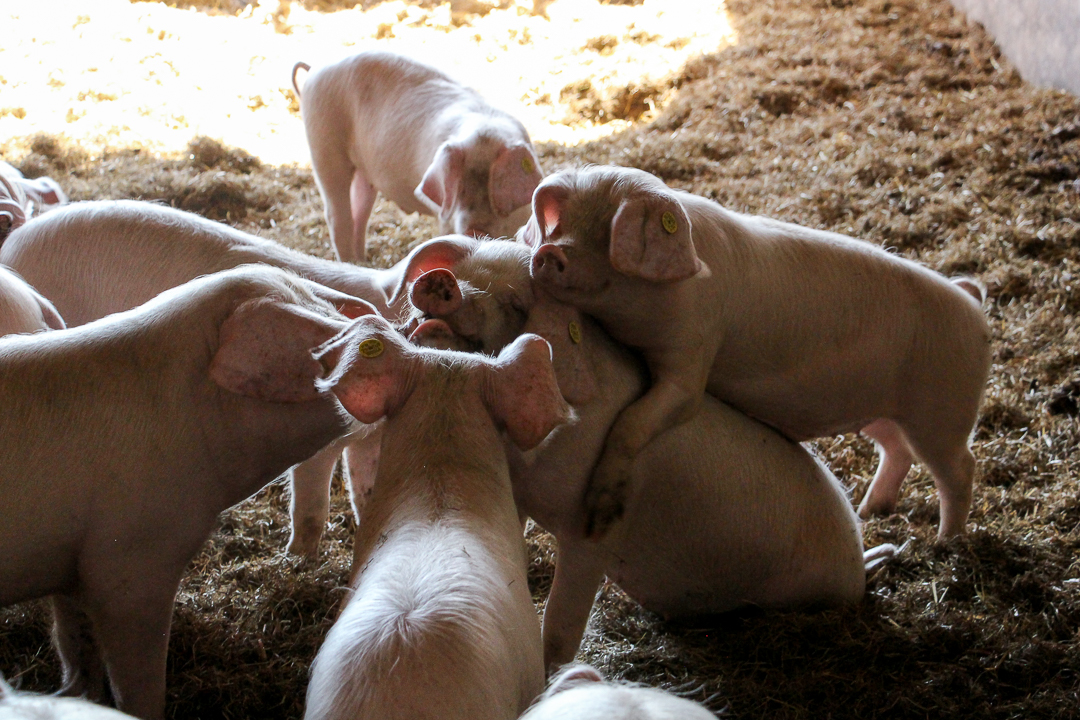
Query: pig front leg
x=73, y=638
x=578, y=573
x=665, y=405
x=309, y=502
x=894, y=461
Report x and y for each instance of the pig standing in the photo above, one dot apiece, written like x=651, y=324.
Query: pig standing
x=811, y=332
x=122, y=440
x=579, y=692
x=93, y=259
x=379, y=122
x=23, y=309
x=19, y=197
x=728, y=512
x=441, y=623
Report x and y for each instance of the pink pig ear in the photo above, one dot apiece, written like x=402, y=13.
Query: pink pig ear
x=650, y=239
x=572, y=676
x=264, y=351
x=514, y=175
x=523, y=394
x=436, y=293
x=361, y=366
x=441, y=252
x=548, y=203
x=441, y=180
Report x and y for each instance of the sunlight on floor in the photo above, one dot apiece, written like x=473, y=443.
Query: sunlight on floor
x=117, y=73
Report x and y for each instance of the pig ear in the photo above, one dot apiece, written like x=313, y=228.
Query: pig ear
x=442, y=178
x=442, y=252
x=523, y=394
x=514, y=175
x=436, y=293
x=50, y=314
x=650, y=239
x=362, y=367
x=572, y=676
x=264, y=350
x=45, y=190
x=548, y=204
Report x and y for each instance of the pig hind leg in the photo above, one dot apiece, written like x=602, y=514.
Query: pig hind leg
x=335, y=176
x=894, y=461
x=73, y=638
x=952, y=465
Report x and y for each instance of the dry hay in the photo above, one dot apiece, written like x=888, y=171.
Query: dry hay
x=892, y=121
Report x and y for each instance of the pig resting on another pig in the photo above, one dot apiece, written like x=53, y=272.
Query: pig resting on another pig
x=809, y=331
x=441, y=622
x=728, y=513
x=122, y=440
x=20, y=198
x=380, y=122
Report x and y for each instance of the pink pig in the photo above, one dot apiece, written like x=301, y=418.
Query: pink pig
x=811, y=332
x=578, y=692
x=19, y=197
x=27, y=706
x=92, y=259
x=122, y=440
x=23, y=309
x=728, y=512
x=441, y=623
x=380, y=122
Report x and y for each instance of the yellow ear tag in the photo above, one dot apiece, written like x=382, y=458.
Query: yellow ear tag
x=575, y=332
x=371, y=348
x=527, y=165
x=669, y=222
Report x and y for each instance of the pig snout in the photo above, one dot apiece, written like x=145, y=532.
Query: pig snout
x=436, y=293
x=548, y=262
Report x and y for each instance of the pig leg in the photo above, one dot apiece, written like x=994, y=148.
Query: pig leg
x=665, y=405
x=309, y=503
x=133, y=629
x=73, y=638
x=335, y=176
x=578, y=574
x=949, y=460
x=362, y=199
x=894, y=461
x=362, y=461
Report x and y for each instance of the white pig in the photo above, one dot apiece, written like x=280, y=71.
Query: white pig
x=728, y=512
x=380, y=122
x=96, y=258
x=19, y=197
x=809, y=331
x=23, y=309
x=441, y=622
x=122, y=440
x=28, y=706
x=578, y=692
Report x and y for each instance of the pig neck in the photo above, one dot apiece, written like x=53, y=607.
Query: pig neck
x=552, y=480
x=441, y=462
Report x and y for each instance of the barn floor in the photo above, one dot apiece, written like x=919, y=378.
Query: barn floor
x=893, y=121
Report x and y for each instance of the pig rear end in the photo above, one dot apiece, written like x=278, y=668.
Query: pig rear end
x=423, y=639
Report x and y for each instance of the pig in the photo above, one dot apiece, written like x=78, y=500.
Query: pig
x=380, y=122
x=811, y=332
x=96, y=258
x=729, y=512
x=27, y=706
x=121, y=441
x=578, y=692
x=441, y=622
x=19, y=197
x=22, y=308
